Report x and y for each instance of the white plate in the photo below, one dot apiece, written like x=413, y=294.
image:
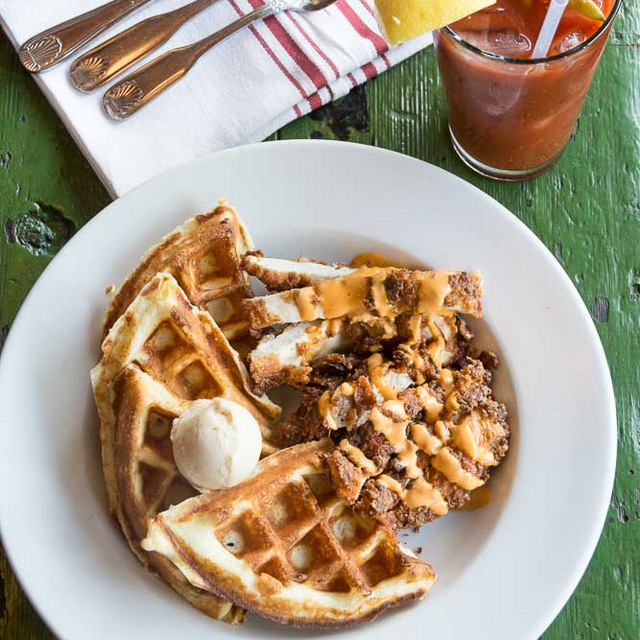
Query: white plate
x=505, y=571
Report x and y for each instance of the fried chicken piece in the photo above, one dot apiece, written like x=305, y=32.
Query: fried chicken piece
x=471, y=386
x=407, y=289
x=345, y=476
x=278, y=274
x=332, y=370
x=304, y=425
x=375, y=499
x=489, y=359
x=373, y=445
x=286, y=357
x=454, y=428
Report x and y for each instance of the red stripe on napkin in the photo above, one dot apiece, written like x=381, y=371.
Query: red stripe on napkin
x=362, y=29
x=275, y=58
x=306, y=64
x=371, y=12
x=315, y=46
x=369, y=70
x=293, y=50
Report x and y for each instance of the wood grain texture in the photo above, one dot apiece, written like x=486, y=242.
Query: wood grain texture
x=587, y=211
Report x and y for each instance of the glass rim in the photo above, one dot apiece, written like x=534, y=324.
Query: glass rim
x=532, y=61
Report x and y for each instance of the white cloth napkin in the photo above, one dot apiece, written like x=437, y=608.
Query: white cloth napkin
x=242, y=91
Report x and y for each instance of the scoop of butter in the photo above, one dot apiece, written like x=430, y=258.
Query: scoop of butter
x=216, y=444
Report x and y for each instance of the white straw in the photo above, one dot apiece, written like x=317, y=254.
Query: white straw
x=549, y=28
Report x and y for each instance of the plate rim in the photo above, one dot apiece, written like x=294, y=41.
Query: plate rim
x=607, y=485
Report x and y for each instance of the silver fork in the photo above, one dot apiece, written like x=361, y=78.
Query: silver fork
x=57, y=43
x=109, y=59
x=132, y=93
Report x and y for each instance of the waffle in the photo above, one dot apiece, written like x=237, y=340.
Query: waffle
x=147, y=481
x=204, y=256
x=284, y=545
x=159, y=356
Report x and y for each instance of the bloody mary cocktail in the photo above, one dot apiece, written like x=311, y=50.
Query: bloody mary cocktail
x=511, y=117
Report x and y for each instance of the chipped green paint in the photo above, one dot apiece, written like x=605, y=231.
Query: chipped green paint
x=47, y=189
x=587, y=211
x=42, y=231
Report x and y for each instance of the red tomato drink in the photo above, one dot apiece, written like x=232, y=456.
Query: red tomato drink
x=511, y=117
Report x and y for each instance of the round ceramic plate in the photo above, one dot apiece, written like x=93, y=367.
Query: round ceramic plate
x=505, y=570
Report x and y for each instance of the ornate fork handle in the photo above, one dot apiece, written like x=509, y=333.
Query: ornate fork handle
x=107, y=60
x=143, y=85
x=53, y=45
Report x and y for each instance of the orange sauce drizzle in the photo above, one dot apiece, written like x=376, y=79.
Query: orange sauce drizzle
x=373, y=259
x=431, y=405
x=391, y=420
x=430, y=444
x=345, y=297
x=358, y=458
x=377, y=370
x=306, y=300
x=434, y=288
x=467, y=435
x=447, y=464
x=480, y=497
x=423, y=494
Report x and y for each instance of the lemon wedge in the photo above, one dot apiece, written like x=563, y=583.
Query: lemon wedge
x=402, y=20
x=588, y=8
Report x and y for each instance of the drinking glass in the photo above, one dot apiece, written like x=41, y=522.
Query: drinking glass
x=511, y=118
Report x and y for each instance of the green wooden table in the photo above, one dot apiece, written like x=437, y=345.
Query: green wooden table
x=587, y=211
